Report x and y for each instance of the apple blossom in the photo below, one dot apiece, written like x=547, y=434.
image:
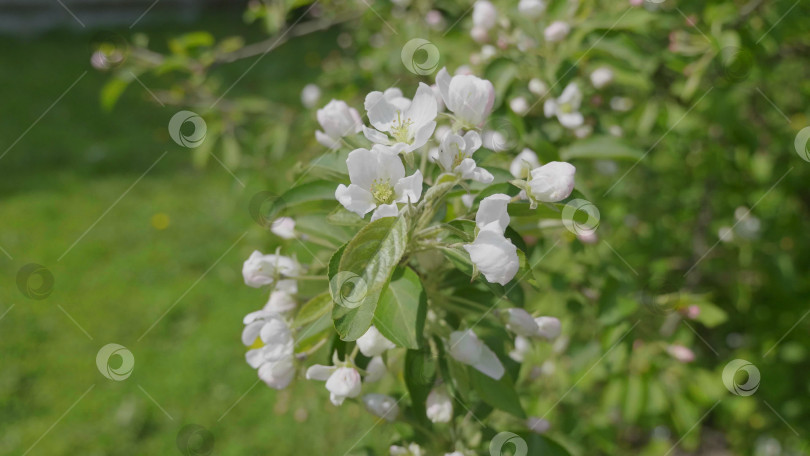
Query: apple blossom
x=469, y=97
x=377, y=182
x=409, y=127
x=465, y=347
x=455, y=155
x=519, y=106
x=375, y=370
x=373, y=343
x=522, y=347
x=337, y=120
x=495, y=256
x=280, y=301
x=260, y=270
x=484, y=14
x=556, y=31
x=601, y=77
x=492, y=214
x=538, y=87
x=521, y=323
x=274, y=360
x=548, y=327
x=681, y=353
x=310, y=95
x=566, y=107
x=439, y=406
x=552, y=182
x=342, y=382
x=382, y=405
x=523, y=163
x=283, y=227
x=531, y=9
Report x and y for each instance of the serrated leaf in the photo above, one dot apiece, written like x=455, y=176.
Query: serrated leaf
x=371, y=256
x=400, y=314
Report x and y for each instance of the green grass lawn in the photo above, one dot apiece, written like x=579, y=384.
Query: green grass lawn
x=122, y=255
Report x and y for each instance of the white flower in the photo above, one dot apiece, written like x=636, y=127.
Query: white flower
x=310, y=96
x=373, y=343
x=492, y=214
x=522, y=347
x=552, y=182
x=548, y=327
x=556, y=31
x=439, y=406
x=538, y=425
x=465, y=347
x=470, y=98
x=681, y=353
x=538, y=87
x=274, y=360
x=484, y=15
x=382, y=405
x=375, y=370
x=566, y=108
x=531, y=9
x=280, y=301
x=410, y=126
x=601, y=77
x=411, y=450
x=337, y=120
x=439, y=104
x=519, y=106
x=495, y=256
x=342, y=382
x=521, y=323
x=455, y=156
x=283, y=227
x=260, y=270
x=378, y=181
x=467, y=200
x=488, y=52
x=523, y=163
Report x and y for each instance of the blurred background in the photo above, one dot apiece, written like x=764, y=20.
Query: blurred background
x=113, y=233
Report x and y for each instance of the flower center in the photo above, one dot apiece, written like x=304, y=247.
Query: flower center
x=458, y=157
x=401, y=130
x=566, y=108
x=382, y=191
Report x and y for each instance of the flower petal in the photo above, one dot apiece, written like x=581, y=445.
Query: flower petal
x=409, y=188
x=326, y=140
x=571, y=119
x=362, y=165
x=422, y=136
x=319, y=372
x=385, y=210
x=443, y=79
x=375, y=136
x=251, y=332
x=423, y=108
x=489, y=364
x=381, y=113
x=355, y=199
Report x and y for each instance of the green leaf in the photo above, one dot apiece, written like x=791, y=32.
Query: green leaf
x=500, y=394
x=112, y=91
x=540, y=445
x=601, y=147
x=314, y=309
x=634, y=398
x=420, y=374
x=710, y=315
x=311, y=191
x=367, y=262
x=343, y=217
x=400, y=314
x=313, y=333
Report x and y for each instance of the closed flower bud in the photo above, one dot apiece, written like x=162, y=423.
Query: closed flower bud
x=470, y=98
x=382, y=406
x=556, y=31
x=552, y=182
x=538, y=87
x=375, y=370
x=538, y=425
x=521, y=323
x=260, y=270
x=344, y=382
x=519, y=106
x=532, y=9
x=495, y=256
x=283, y=227
x=373, y=343
x=310, y=95
x=277, y=374
x=601, y=77
x=484, y=15
x=492, y=214
x=548, y=327
x=465, y=347
x=439, y=406
x=337, y=120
